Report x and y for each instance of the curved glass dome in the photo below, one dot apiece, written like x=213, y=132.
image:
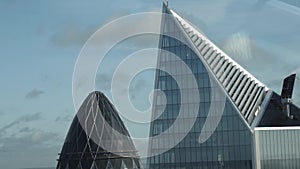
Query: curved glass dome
x=80, y=149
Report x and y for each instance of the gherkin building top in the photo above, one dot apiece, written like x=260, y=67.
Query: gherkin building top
x=98, y=139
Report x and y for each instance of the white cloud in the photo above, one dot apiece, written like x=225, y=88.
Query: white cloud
x=239, y=45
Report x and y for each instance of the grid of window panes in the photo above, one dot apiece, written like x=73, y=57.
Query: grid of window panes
x=277, y=148
x=228, y=147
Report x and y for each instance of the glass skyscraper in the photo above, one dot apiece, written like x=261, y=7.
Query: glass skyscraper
x=247, y=103
x=88, y=139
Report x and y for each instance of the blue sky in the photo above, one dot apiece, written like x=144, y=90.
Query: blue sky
x=40, y=42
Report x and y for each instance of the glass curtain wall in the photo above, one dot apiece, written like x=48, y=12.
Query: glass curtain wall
x=229, y=147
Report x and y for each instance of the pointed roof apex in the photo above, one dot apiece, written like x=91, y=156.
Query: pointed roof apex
x=166, y=3
x=96, y=93
x=245, y=91
x=165, y=8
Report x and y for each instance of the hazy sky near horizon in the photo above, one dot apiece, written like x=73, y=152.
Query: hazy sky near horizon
x=41, y=40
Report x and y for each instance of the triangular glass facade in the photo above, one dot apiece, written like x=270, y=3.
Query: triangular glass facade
x=230, y=144
x=80, y=150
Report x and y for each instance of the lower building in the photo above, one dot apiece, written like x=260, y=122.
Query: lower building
x=276, y=147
